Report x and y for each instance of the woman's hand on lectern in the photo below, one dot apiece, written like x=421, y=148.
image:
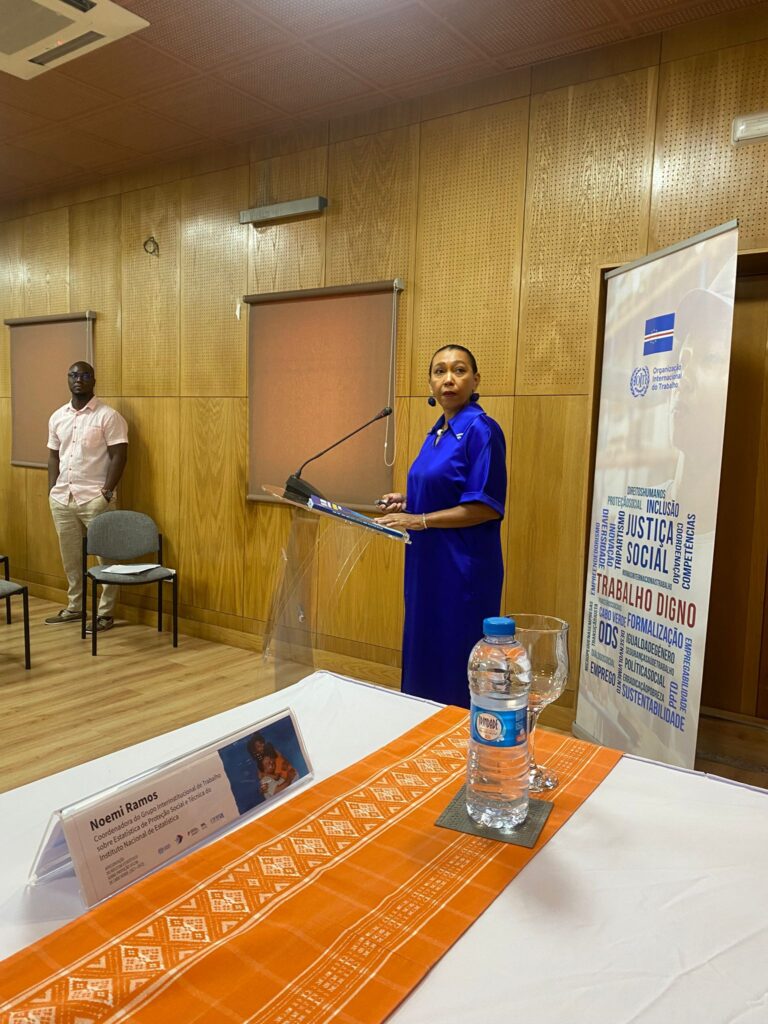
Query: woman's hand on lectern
x=393, y=502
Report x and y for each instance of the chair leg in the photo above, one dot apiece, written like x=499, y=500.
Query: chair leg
x=160, y=606
x=94, y=617
x=84, y=612
x=7, y=574
x=175, y=610
x=27, y=655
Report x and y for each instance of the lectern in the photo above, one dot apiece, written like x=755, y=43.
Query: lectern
x=325, y=534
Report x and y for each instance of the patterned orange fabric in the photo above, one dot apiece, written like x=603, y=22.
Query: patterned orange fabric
x=333, y=905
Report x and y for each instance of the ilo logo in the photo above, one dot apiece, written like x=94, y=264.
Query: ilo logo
x=639, y=381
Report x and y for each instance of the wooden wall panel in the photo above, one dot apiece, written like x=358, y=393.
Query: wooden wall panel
x=266, y=534
x=471, y=197
x=369, y=607
x=288, y=255
x=364, y=604
x=212, y=503
x=588, y=193
x=11, y=292
x=94, y=243
x=46, y=263
x=589, y=65
x=371, y=220
x=214, y=273
x=151, y=480
x=43, y=562
x=150, y=291
x=547, y=518
x=741, y=548
x=729, y=28
x=700, y=179
x=13, y=497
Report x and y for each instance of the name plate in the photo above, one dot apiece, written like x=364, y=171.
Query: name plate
x=121, y=834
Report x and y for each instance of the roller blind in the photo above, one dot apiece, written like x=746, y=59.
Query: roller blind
x=42, y=350
x=321, y=363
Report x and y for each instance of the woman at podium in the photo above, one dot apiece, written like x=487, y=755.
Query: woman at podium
x=453, y=508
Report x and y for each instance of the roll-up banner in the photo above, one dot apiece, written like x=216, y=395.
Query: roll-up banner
x=657, y=476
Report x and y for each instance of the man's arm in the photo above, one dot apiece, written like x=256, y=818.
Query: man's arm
x=53, y=469
x=118, y=456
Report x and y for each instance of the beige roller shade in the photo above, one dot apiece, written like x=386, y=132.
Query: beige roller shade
x=42, y=350
x=320, y=365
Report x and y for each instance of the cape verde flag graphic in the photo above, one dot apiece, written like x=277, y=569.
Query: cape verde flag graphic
x=659, y=334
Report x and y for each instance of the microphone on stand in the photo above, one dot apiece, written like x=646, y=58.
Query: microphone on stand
x=300, y=490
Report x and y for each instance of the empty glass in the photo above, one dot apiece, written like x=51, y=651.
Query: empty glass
x=545, y=640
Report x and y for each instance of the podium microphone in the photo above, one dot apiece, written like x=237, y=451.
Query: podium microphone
x=300, y=490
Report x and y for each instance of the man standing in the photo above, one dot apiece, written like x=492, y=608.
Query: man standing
x=87, y=452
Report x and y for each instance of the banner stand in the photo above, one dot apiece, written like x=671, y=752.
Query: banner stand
x=666, y=358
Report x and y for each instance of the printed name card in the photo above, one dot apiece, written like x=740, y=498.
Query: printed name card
x=115, y=837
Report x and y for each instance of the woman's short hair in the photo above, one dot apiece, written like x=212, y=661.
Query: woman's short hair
x=458, y=348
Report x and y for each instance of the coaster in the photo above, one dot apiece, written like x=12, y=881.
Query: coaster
x=455, y=816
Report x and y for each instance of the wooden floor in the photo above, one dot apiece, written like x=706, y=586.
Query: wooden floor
x=72, y=707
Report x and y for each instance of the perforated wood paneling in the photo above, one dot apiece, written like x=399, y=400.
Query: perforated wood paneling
x=151, y=292
x=371, y=219
x=589, y=167
x=372, y=183
x=291, y=254
x=13, y=497
x=151, y=480
x=214, y=264
x=699, y=179
x=94, y=240
x=471, y=195
x=211, y=531
x=545, y=552
x=46, y=263
x=11, y=296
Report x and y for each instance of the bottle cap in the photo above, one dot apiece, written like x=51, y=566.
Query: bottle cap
x=499, y=625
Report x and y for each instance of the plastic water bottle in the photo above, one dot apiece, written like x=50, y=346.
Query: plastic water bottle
x=497, y=763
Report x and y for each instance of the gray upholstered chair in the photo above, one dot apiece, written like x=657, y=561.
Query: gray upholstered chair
x=9, y=589
x=118, y=537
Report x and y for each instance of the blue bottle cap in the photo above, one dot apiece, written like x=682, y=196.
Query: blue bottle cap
x=499, y=625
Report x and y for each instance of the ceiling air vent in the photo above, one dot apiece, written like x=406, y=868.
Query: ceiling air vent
x=80, y=5
x=38, y=34
x=60, y=52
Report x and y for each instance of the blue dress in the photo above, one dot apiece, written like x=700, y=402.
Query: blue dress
x=453, y=577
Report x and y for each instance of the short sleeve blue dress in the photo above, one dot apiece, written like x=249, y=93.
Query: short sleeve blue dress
x=453, y=578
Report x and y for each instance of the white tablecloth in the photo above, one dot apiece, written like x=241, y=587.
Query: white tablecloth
x=650, y=905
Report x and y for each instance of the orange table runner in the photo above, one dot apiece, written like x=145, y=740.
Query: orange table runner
x=332, y=906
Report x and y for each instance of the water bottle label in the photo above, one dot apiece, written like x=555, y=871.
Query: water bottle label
x=499, y=728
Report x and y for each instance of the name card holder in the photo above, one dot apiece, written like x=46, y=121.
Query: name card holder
x=121, y=834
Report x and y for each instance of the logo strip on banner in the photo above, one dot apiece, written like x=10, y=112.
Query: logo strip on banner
x=666, y=357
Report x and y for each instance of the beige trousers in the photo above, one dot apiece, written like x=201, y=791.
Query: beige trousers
x=71, y=522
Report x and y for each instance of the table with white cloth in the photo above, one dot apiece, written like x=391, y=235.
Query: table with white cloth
x=649, y=904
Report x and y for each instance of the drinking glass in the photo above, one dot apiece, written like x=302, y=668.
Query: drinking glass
x=545, y=640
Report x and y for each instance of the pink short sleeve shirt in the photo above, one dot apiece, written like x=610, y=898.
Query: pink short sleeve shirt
x=81, y=437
